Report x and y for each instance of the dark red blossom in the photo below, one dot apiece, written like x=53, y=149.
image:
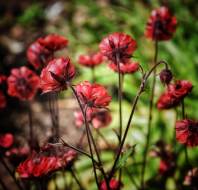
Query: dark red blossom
x=113, y=184
x=98, y=118
x=38, y=55
x=166, y=76
x=118, y=45
x=93, y=95
x=187, y=132
x=91, y=60
x=161, y=25
x=3, y=78
x=3, y=101
x=52, y=157
x=56, y=75
x=175, y=94
x=6, y=140
x=126, y=68
x=23, y=83
x=53, y=42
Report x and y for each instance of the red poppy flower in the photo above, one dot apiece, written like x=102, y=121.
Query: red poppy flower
x=6, y=140
x=53, y=42
x=3, y=78
x=174, y=94
x=114, y=185
x=3, y=101
x=91, y=60
x=187, y=132
x=118, y=44
x=38, y=55
x=126, y=68
x=180, y=89
x=161, y=24
x=56, y=75
x=93, y=95
x=23, y=83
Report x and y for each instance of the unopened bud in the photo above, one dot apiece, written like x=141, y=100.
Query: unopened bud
x=166, y=76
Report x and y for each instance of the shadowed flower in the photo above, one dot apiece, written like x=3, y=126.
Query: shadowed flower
x=3, y=78
x=6, y=140
x=3, y=101
x=175, y=94
x=93, y=95
x=161, y=25
x=52, y=157
x=126, y=68
x=23, y=83
x=118, y=45
x=166, y=76
x=98, y=118
x=56, y=75
x=91, y=60
x=191, y=178
x=53, y=42
x=113, y=184
x=38, y=55
x=187, y=132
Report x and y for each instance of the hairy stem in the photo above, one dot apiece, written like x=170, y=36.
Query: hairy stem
x=149, y=117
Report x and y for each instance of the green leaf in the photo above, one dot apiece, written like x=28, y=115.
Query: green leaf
x=129, y=152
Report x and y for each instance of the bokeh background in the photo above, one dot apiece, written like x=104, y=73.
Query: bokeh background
x=85, y=23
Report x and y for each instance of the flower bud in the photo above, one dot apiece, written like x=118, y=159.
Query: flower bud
x=166, y=76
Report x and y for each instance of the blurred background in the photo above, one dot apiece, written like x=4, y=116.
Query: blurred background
x=84, y=23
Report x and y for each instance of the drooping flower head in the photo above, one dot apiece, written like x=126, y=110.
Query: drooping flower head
x=127, y=68
x=3, y=101
x=93, y=95
x=38, y=55
x=6, y=140
x=113, y=184
x=97, y=117
x=187, y=132
x=166, y=76
x=91, y=60
x=23, y=83
x=118, y=45
x=53, y=42
x=56, y=75
x=174, y=94
x=161, y=25
x=50, y=159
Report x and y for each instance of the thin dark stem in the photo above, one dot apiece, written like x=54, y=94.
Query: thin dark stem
x=149, y=117
x=88, y=138
x=183, y=109
x=103, y=138
x=131, y=178
x=11, y=173
x=134, y=104
x=77, y=180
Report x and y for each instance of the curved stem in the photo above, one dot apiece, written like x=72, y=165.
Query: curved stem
x=149, y=117
x=76, y=179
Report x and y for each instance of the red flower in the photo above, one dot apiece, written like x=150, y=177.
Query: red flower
x=187, y=132
x=56, y=75
x=3, y=78
x=126, y=68
x=118, y=44
x=174, y=94
x=114, y=185
x=3, y=101
x=180, y=89
x=91, y=60
x=93, y=95
x=38, y=55
x=166, y=76
x=53, y=42
x=23, y=83
x=161, y=24
x=6, y=140
x=98, y=118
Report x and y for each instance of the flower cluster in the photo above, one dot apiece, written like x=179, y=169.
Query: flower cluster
x=175, y=94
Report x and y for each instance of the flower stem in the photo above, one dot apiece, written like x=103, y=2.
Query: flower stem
x=76, y=179
x=31, y=134
x=93, y=77
x=134, y=104
x=149, y=117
